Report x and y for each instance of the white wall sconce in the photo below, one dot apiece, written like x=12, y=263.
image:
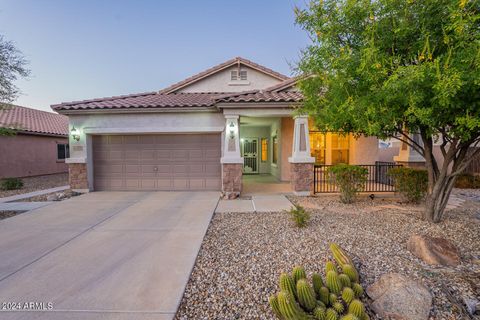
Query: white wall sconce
x=75, y=133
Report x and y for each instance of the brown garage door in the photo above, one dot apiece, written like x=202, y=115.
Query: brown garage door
x=157, y=162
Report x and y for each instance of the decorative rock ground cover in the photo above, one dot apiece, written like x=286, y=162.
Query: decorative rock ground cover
x=243, y=255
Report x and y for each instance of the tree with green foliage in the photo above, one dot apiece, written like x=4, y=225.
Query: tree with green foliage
x=12, y=66
x=393, y=68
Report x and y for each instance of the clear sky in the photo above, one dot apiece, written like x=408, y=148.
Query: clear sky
x=95, y=48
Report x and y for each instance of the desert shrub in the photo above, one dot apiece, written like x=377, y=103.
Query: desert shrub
x=467, y=181
x=349, y=179
x=299, y=216
x=411, y=183
x=338, y=294
x=11, y=183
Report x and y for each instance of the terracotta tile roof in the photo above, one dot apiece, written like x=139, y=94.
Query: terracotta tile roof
x=219, y=67
x=276, y=93
x=33, y=120
x=264, y=96
x=144, y=100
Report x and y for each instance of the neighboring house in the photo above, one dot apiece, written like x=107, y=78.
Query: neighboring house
x=39, y=146
x=203, y=133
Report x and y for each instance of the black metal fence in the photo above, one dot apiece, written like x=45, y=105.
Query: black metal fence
x=378, y=179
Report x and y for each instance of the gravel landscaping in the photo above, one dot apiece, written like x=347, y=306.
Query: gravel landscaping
x=8, y=213
x=31, y=184
x=243, y=255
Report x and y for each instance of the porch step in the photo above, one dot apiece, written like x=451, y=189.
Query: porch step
x=261, y=203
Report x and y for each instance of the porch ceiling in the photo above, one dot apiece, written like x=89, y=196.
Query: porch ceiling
x=257, y=121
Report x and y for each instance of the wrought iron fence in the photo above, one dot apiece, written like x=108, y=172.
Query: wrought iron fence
x=378, y=179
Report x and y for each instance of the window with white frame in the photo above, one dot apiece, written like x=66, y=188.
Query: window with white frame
x=63, y=151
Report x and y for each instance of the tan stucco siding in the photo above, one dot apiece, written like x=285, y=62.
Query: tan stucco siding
x=30, y=155
x=221, y=82
x=287, y=140
x=363, y=150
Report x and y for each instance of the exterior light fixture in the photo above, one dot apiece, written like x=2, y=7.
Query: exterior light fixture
x=75, y=133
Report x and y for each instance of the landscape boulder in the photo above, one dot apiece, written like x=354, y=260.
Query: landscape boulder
x=434, y=251
x=397, y=297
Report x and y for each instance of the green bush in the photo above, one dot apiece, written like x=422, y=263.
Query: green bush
x=467, y=181
x=11, y=183
x=349, y=179
x=299, y=216
x=411, y=183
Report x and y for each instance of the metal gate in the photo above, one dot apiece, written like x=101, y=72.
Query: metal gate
x=250, y=155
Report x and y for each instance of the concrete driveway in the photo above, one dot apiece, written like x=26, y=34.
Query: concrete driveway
x=104, y=255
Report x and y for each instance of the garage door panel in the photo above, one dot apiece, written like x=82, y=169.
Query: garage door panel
x=180, y=184
x=157, y=162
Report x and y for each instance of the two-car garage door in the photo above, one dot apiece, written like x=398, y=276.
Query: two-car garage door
x=157, y=162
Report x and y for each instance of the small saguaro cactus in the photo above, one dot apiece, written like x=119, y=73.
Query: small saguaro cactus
x=324, y=295
x=273, y=301
x=333, y=283
x=337, y=296
x=306, y=295
x=357, y=308
x=317, y=282
x=331, y=314
x=289, y=308
x=340, y=255
x=357, y=288
x=345, y=280
x=351, y=272
x=287, y=284
x=348, y=295
x=298, y=273
x=330, y=266
x=319, y=313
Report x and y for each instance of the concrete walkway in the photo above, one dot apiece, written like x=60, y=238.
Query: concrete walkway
x=23, y=206
x=260, y=203
x=104, y=255
x=33, y=194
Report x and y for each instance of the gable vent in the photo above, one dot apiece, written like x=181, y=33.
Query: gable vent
x=234, y=75
x=243, y=74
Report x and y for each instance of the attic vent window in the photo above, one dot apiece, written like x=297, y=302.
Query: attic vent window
x=234, y=75
x=243, y=74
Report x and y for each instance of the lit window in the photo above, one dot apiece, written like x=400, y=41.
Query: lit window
x=264, y=155
x=275, y=150
x=340, y=148
x=63, y=151
x=233, y=75
x=317, y=146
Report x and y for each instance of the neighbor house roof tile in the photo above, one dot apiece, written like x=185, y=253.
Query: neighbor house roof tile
x=33, y=120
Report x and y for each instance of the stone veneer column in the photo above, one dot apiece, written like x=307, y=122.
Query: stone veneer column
x=77, y=176
x=301, y=161
x=232, y=162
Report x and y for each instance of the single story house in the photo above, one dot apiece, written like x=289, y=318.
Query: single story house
x=40, y=145
x=203, y=133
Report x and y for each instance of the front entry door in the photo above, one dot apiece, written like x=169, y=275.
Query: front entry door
x=250, y=155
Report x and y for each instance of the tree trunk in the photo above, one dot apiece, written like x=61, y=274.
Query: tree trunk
x=437, y=200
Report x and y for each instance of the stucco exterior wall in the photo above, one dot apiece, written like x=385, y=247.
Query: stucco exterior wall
x=363, y=150
x=275, y=130
x=221, y=82
x=26, y=155
x=287, y=140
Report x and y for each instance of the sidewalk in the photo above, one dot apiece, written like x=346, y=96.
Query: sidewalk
x=33, y=194
x=260, y=203
x=23, y=206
